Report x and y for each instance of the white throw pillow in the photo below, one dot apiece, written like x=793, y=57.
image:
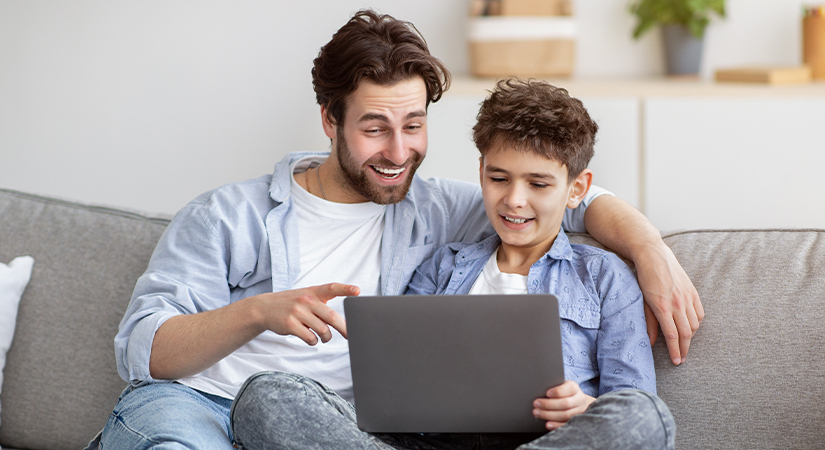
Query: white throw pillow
x=13, y=280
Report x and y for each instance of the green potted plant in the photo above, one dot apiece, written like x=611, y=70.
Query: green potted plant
x=683, y=25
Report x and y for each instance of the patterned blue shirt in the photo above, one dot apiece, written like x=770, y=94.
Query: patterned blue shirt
x=604, y=333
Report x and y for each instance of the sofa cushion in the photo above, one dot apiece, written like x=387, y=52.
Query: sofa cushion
x=754, y=374
x=61, y=382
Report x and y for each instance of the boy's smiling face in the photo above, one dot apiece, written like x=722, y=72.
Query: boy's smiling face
x=525, y=195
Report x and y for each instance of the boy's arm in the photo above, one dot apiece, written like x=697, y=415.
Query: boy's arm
x=672, y=301
x=623, y=350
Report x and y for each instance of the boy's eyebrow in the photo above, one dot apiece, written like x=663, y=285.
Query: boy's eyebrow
x=543, y=175
x=381, y=117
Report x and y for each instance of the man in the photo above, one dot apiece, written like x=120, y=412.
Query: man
x=245, y=278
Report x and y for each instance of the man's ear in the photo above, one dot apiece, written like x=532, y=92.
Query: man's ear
x=579, y=188
x=329, y=128
x=481, y=170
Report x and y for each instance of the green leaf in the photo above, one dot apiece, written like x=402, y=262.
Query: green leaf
x=693, y=14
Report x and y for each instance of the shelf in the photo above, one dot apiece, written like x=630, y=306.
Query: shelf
x=651, y=87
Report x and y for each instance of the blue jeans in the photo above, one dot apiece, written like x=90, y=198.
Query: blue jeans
x=275, y=410
x=167, y=416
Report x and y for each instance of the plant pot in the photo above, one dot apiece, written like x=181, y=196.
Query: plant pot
x=683, y=50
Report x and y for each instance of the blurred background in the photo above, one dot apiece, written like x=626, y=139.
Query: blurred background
x=144, y=105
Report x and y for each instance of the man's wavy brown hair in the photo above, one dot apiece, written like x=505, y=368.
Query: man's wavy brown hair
x=378, y=48
x=535, y=116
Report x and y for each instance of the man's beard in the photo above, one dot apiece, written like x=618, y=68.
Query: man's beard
x=356, y=178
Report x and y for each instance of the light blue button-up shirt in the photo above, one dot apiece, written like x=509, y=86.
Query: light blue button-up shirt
x=604, y=333
x=242, y=240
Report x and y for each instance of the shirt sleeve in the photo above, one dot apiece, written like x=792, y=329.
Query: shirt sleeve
x=432, y=276
x=573, y=221
x=624, y=355
x=466, y=218
x=190, y=271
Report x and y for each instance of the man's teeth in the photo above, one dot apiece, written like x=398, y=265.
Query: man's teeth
x=388, y=173
x=509, y=219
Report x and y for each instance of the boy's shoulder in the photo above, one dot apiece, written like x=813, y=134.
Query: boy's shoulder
x=596, y=255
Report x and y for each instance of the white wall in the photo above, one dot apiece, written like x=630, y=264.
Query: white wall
x=146, y=104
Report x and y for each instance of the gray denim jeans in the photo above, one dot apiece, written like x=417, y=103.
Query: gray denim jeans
x=276, y=410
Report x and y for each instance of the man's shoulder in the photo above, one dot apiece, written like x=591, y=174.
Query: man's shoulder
x=442, y=189
x=239, y=204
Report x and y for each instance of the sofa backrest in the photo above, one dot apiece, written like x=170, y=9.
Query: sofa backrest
x=755, y=373
x=60, y=378
x=754, y=377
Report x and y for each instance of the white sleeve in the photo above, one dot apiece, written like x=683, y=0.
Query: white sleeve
x=573, y=221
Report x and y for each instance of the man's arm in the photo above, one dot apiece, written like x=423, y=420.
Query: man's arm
x=671, y=299
x=190, y=343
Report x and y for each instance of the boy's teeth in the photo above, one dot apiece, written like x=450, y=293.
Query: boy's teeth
x=515, y=220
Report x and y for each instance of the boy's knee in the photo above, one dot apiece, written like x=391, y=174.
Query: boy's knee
x=643, y=412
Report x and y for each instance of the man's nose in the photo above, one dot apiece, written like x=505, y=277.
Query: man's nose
x=398, y=151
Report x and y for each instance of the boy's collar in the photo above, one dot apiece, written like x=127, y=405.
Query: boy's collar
x=561, y=247
x=560, y=250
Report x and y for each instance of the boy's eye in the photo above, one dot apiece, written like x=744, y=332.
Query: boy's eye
x=539, y=185
x=498, y=179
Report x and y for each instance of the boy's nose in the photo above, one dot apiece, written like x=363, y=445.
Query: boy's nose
x=515, y=197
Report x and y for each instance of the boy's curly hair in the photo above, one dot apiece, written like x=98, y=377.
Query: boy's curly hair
x=535, y=116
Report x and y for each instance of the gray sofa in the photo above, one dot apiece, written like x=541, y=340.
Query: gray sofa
x=755, y=376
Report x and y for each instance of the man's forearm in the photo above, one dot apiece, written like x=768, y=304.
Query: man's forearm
x=672, y=301
x=189, y=344
x=621, y=227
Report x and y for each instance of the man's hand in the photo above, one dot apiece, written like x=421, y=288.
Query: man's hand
x=304, y=312
x=670, y=298
x=671, y=301
x=190, y=343
x=562, y=403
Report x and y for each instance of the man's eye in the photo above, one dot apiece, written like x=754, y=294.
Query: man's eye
x=539, y=185
x=373, y=130
x=498, y=180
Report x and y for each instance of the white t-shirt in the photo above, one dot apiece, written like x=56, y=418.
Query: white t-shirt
x=493, y=281
x=339, y=243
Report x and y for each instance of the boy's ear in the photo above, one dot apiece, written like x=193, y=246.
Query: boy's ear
x=481, y=170
x=579, y=188
x=329, y=128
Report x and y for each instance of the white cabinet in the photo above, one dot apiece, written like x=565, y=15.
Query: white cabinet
x=689, y=154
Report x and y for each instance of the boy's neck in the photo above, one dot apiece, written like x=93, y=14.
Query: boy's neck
x=518, y=260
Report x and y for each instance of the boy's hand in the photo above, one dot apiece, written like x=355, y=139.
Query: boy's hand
x=562, y=403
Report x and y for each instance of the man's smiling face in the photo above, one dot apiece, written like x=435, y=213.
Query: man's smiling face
x=382, y=141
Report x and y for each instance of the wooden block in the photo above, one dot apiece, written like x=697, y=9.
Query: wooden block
x=765, y=75
x=529, y=58
x=536, y=8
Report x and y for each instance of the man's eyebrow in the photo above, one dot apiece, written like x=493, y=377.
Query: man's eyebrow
x=380, y=117
x=414, y=114
x=373, y=116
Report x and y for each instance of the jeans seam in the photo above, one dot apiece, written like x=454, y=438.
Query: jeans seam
x=667, y=429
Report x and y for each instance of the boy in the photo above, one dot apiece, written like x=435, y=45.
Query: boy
x=535, y=143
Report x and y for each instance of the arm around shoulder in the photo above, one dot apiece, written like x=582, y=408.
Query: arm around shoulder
x=671, y=300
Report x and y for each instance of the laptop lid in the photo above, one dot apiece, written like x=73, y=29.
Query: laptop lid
x=452, y=364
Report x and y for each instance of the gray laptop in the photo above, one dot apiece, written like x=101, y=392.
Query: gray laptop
x=452, y=364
